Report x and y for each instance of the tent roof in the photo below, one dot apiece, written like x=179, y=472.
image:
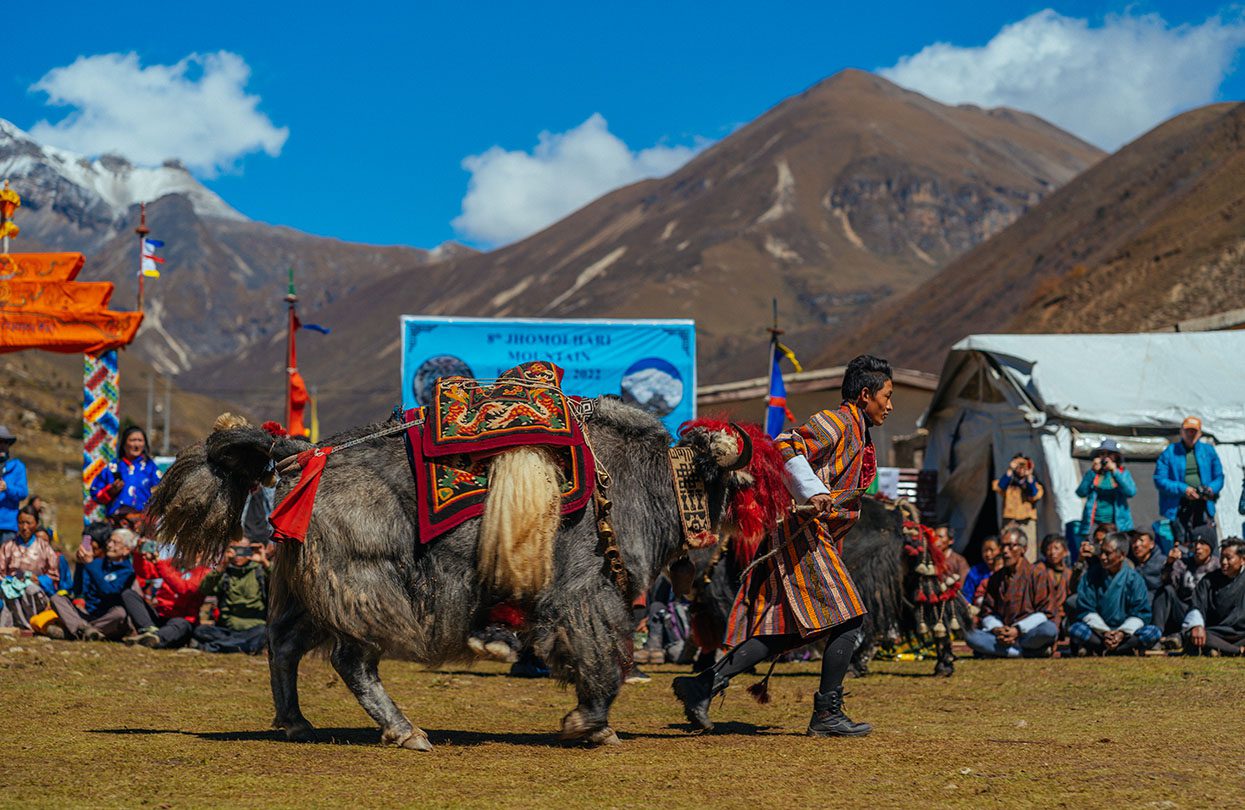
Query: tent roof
x=1127, y=380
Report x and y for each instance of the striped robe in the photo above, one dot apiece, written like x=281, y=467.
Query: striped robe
x=805, y=588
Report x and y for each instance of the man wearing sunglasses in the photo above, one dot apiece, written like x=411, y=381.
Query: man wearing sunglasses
x=1113, y=605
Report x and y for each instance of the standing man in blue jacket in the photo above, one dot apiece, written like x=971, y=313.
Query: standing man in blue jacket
x=13, y=487
x=1189, y=477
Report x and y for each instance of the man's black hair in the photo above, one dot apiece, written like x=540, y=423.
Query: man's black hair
x=865, y=371
x=1236, y=544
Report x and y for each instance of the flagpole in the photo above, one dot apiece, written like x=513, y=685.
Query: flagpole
x=292, y=300
x=142, y=230
x=774, y=332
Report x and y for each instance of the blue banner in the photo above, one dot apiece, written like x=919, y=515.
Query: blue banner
x=651, y=363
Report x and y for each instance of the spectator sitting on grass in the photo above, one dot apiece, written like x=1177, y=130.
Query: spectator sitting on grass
x=1146, y=559
x=177, y=601
x=1113, y=605
x=1054, y=566
x=956, y=563
x=23, y=560
x=1185, y=567
x=240, y=585
x=991, y=561
x=1016, y=609
x=104, y=579
x=1216, y=622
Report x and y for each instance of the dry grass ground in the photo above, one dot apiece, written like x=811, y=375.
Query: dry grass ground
x=104, y=725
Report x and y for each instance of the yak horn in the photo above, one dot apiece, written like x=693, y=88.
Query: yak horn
x=745, y=452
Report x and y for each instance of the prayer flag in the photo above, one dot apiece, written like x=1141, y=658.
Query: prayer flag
x=777, y=411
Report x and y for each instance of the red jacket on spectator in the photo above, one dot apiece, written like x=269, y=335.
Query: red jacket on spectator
x=179, y=592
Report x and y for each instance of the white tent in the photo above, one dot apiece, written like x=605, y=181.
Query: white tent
x=1056, y=397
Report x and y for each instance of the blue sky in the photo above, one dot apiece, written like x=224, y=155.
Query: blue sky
x=358, y=125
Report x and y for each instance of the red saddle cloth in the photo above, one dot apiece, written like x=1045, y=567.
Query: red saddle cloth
x=450, y=444
x=468, y=422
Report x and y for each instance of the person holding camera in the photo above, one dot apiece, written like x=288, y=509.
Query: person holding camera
x=12, y=485
x=1106, y=488
x=1189, y=478
x=1216, y=622
x=240, y=584
x=1021, y=491
x=177, y=600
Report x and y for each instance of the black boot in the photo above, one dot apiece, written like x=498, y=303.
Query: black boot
x=828, y=718
x=697, y=692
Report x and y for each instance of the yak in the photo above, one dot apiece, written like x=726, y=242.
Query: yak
x=363, y=587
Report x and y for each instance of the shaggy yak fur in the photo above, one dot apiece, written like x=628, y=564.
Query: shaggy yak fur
x=873, y=552
x=363, y=587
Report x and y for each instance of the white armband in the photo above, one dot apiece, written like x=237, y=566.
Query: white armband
x=802, y=481
x=990, y=622
x=1131, y=625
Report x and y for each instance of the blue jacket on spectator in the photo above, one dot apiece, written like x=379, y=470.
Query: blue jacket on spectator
x=138, y=479
x=103, y=582
x=15, y=492
x=1111, y=487
x=1169, y=475
x=1114, y=598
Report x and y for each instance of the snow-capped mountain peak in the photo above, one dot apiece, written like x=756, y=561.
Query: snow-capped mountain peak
x=98, y=190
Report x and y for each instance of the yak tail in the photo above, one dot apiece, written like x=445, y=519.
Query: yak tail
x=198, y=504
x=521, y=517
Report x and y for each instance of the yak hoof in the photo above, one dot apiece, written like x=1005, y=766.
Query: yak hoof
x=297, y=731
x=603, y=736
x=415, y=740
x=577, y=728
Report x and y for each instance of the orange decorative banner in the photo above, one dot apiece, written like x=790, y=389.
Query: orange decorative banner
x=73, y=332
x=40, y=266
x=55, y=296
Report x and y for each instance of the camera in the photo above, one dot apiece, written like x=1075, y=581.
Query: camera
x=1207, y=494
x=240, y=551
x=148, y=547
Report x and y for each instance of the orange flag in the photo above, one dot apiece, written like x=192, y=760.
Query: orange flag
x=55, y=296
x=298, y=405
x=67, y=333
x=40, y=266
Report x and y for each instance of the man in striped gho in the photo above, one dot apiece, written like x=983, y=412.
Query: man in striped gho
x=800, y=591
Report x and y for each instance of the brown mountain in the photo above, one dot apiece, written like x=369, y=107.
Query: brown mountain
x=839, y=198
x=226, y=278
x=1150, y=236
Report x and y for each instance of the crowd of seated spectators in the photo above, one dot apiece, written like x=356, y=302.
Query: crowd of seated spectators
x=1127, y=592
x=123, y=586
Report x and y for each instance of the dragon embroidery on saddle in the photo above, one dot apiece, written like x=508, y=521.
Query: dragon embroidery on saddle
x=453, y=439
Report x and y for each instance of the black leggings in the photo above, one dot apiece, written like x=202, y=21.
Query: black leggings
x=841, y=643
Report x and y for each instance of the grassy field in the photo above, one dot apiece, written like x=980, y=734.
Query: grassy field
x=92, y=724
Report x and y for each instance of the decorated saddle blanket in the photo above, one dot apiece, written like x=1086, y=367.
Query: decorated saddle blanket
x=470, y=421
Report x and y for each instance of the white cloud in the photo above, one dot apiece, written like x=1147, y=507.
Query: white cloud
x=196, y=111
x=514, y=194
x=1107, y=83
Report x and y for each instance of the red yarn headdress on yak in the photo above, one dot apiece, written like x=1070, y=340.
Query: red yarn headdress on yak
x=759, y=497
